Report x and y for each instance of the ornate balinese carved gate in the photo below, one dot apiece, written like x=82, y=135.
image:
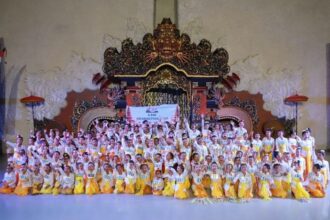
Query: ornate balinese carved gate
x=166, y=68
x=167, y=86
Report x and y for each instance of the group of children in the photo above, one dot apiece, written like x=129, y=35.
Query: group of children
x=167, y=159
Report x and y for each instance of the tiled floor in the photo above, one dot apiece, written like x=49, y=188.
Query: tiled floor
x=151, y=207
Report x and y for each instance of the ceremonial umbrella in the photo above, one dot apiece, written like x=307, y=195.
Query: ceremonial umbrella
x=296, y=99
x=32, y=101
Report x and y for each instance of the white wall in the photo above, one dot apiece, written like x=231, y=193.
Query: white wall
x=288, y=37
x=47, y=39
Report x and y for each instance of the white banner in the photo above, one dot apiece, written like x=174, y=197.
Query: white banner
x=152, y=113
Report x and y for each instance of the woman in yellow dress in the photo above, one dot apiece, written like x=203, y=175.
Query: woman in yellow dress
x=229, y=186
x=37, y=180
x=9, y=181
x=281, y=143
x=216, y=181
x=131, y=177
x=67, y=180
x=185, y=146
x=182, y=183
x=278, y=189
x=79, y=183
x=206, y=181
x=197, y=185
x=265, y=181
x=286, y=172
x=57, y=184
x=267, y=145
x=169, y=183
x=169, y=161
x=307, y=148
x=139, y=145
x=257, y=145
x=158, y=183
x=107, y=182
x=92, y=187
x=48, y=180
x=104, y=147
x=24, y=185
x=94, y=149
x=119, y=177
x=151, y=166
x=293, y=143
x=245, y=144
x=144, y=180
x=158, y=162
x=324, y=166
x=316, y=182
x=245, y=185
x=214, y=147
x=297, y=188
x=252, y=169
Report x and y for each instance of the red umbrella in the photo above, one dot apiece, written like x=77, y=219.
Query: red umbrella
x=32, y=101
x=295, y=99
